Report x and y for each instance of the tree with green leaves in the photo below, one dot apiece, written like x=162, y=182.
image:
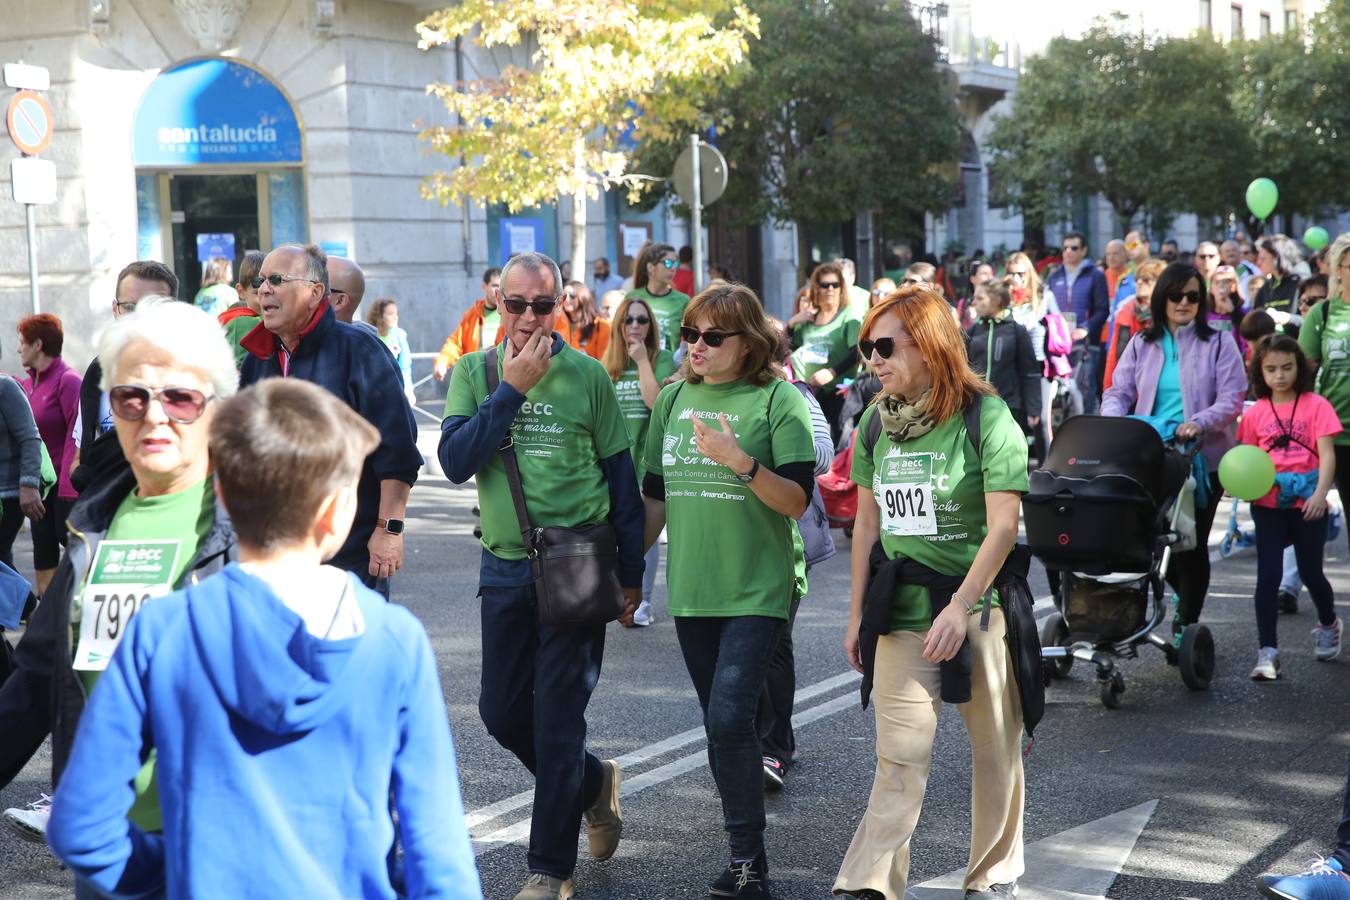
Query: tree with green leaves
x=599, y=70
x=1146, y=123
x=844, y=109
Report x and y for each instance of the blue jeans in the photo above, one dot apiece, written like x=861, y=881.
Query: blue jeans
x=537, y=682
x=727, y=659
x=1275, y=528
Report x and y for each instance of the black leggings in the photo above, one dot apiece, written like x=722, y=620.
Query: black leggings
x=1343, y=481
x=1274, y=529
x=49, y=532
x=11, y=520
x=1188, y=572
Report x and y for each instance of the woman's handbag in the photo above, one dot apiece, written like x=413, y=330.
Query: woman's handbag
x=576, y=570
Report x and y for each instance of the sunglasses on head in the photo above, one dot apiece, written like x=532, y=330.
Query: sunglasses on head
x=636, y=320
x=884, y=347
x=710, y=338
x=828, y=285
x=180, y=404
x=542, y=306
x=1192, y=297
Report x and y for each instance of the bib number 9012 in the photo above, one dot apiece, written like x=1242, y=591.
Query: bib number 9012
x=908, y=509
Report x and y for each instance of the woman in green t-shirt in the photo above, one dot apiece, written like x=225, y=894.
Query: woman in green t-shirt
x=1325, y=339
x=824, y=335
x=654, y=285
x=638, y=367
x=729, y=459
x=946, y=511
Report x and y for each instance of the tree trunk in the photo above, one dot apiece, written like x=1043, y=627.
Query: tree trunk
x=579, y=212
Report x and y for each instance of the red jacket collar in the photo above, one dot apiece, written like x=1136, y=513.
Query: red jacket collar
x=235, y=312
x=263, y=343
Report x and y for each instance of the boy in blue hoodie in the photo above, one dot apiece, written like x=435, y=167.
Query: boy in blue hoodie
x=290, y=706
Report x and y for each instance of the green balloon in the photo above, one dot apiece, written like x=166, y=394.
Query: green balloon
x=1316, y=238
x=1262, y=195
x=1247, y=472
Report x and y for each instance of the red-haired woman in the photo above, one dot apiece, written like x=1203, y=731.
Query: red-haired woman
x=936, y=523
x=53, y=390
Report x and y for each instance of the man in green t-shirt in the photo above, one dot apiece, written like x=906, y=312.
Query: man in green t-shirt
x=558, y=409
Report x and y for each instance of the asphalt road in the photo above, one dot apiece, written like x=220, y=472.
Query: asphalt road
x=1248, y=776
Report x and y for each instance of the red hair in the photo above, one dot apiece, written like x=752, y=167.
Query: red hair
x=46, y=328
x=927, y=318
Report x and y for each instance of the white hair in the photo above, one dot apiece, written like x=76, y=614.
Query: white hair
x=191, y=336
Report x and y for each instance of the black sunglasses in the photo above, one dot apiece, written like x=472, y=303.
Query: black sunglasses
x=711, y=338
x=180, y=404
x=828, y=285
x=1075, y=248
x=542, y=306
x=276, y=280
x=1191, y=297
x=636, y=320
x=884, y=347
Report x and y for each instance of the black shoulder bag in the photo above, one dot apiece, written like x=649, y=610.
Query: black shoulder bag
x=576, y=570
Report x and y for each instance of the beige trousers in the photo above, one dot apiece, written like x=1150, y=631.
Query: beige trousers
x=906, y=699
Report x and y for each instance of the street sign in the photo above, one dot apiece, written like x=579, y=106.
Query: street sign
x=33, y=180
x=31, y=78
x=29, y=119
x=712, y=168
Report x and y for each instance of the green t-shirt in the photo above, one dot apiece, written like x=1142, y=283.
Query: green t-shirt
x=235, y=331
x=569, y=421
x=729, y=553
x=492, y=324
x=185, y=517
x=668, y=310
x=636, y=414
x=931, y=494
x=1325, y=337
x=825, y=346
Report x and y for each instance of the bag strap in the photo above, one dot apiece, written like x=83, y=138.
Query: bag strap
x=509, y=461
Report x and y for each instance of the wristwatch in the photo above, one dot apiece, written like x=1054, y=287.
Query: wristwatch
x=391, y=526
x=750, y=476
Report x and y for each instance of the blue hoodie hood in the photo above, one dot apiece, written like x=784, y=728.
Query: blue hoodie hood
x=274, y=673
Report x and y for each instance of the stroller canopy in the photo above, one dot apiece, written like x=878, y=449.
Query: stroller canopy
x=1088, y=446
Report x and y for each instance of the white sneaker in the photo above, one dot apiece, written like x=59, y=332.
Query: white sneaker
x=31, y=823
x=1327, y=641
x=1267, y=664
x=643, y=616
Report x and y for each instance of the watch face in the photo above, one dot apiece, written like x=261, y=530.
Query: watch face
x=394, y=526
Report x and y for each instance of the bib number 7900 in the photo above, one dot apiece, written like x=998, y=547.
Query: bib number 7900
x=908, y=509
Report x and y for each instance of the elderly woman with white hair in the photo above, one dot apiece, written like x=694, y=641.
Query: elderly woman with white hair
x=136, y=534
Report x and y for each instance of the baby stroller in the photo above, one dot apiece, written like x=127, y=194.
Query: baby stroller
x=1103, y=512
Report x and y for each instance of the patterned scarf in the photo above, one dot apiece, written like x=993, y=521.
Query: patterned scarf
x=904, y=421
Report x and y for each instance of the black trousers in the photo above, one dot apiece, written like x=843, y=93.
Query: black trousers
x=773, y=716
x=1188, y=572
x=26, y=695
x=11, y=520
x=1343, y=480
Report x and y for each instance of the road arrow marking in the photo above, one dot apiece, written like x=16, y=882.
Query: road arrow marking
x=1079, y=864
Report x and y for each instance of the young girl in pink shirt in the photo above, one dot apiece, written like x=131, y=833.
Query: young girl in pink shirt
x=1295, y=426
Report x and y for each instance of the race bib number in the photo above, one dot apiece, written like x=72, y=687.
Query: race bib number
x=126, y=575
x=905, y=495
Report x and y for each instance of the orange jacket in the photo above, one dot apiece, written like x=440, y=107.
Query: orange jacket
x=595, y=347
x=467, y=336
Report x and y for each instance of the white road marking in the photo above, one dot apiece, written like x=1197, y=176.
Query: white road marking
x=1078, y=864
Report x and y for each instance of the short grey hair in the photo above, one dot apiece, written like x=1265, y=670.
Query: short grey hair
x=533, y=262
x=191, y=336
x=847, y=265
x=316, y=262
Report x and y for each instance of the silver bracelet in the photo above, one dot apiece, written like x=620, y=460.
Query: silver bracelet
x=970, y=607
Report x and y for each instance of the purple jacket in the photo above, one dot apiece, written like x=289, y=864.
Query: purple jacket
x=54, y=395
x=1213, y=383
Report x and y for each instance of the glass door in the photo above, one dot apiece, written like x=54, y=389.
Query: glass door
x=211, y=215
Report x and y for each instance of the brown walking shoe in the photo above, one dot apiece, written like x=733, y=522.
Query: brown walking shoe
x=539, y=886
x=604, y=820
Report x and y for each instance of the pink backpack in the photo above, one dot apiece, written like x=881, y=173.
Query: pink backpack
x=1058, y=343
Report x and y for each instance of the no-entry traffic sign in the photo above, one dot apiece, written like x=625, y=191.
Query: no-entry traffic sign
x=29, y=120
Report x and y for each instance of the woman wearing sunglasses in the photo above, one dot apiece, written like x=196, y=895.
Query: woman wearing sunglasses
x=937, y=519
x=824, y=335
x=1183, y=373
x=729, y=464
x=638, y=365
x=135, y=534
x=654, y=285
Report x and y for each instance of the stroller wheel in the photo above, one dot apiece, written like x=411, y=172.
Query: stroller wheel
x=1112, y=689
x=1055, y=633
x=1196, y=657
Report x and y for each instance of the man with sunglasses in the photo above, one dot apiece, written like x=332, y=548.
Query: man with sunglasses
x=556, y=408
x=96, y=447
x=301, y=337
x=1080, y=288
x=479, y=327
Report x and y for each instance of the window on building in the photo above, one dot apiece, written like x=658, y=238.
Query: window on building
x=1235, y=22
x=1265, y=24
x=1291, y=21
x=1206, y=14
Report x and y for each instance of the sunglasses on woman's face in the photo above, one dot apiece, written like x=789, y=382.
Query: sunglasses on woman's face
x=636, y=320
x=710, y=338
x=884, y=347
x=1191, y=297
x=670, y=263
x=828, y=285
x=180, y=404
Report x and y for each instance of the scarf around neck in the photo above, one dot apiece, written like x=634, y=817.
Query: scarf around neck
x=905, y=421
